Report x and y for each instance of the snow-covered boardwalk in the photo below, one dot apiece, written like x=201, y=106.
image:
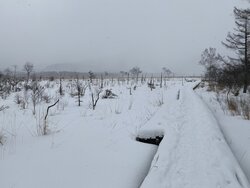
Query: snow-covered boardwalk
x=193, y=153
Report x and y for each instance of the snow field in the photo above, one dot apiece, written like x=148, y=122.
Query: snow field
x=85, y=148
x=97, y=148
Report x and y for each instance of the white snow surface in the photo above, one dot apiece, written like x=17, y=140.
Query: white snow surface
x=96, y=149
x=193, y=152
x=235, y=129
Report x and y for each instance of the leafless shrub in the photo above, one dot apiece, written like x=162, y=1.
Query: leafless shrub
x=95, y=96
x=47, y=85
x=211, y=86
x=36, y=95
x=51, y=78
x=151, y=84
x=44, y=127
x=80, y=90
x=221, y=101
x=159, y=101
x=23, y=104
x=18, y=99
x=46, y=98
x=2, y=137
x=62, y=104
x=52, y=85
x=130, y=90
x=25, y=101
x=135, y=71
x=178, y=95
x=91, y=76
x=28, y=67
x=61, y=92
x=109, y=94
x=4, y=88
x=2, y=108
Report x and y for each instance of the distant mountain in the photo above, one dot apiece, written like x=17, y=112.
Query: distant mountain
x=65, y=67
x=95, y=66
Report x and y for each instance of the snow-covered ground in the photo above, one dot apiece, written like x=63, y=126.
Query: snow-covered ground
x=236, y=130
x=193, y=152
x=97, y=148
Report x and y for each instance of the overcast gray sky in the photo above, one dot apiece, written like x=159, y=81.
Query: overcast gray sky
x=113, y=35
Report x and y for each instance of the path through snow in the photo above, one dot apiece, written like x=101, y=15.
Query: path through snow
x=193, y=153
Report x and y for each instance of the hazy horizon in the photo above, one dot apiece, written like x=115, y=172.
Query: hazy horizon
x=113, y=35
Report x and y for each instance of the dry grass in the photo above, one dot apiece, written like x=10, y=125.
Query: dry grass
x=233, y=107
x=2, y=138
x=245, y=108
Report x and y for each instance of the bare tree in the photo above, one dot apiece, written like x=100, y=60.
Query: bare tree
x=101, y=81
x=95, y=96
x=2, y=108
x=211, y=60
x=5, y=87
x=135, y=71
x=161, y=81
x=12, y=79
x=127, y=77
x=151, y=84
x=44, y=129
x=91, y=76
x=166, y=71
x=81, y=88
x=28, y=67
x=130, y=90
x=36, y=95
x=60, y=87
x=239, y=41
x=142, y=79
